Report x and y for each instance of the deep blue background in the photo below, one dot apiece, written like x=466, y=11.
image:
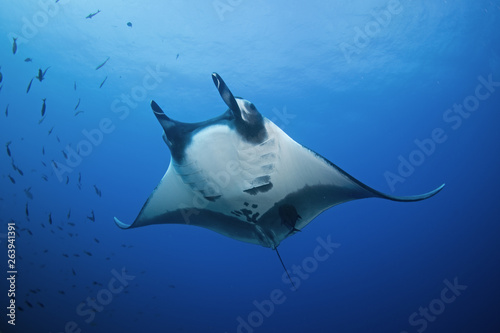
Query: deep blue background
x=361, y=110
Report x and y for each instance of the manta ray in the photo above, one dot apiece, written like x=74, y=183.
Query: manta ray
x=240, y=175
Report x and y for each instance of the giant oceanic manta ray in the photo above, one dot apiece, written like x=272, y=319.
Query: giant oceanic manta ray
x=240, y=175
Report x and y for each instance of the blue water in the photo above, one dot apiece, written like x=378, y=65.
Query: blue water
x=370, y=85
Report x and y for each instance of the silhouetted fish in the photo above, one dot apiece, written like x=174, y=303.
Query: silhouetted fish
x=40, y=304
x=67, y=180
x=71, y=224
x=28, y=60
x=129, y=24
x=77, y=104
x=28, y=193
x=73, y=270
x=28, y=304
x=8, y=150
x=78, y=112
x=29, y=85
x=97, y=191
x=74, y=85
x=65, y=255
x=64, y=154
x=27, y=212
x=12, y=180
x=91, y=15
x=103, y=82
x=29, y=232
x=69, y=214
x=91, y=217
x=43, y=107
x=7, y=110
x=50, y=218
x=14, y=45
x=41, y=74
x=50, y=130
x=96, y=240
x=104, y=63
x=87, y=253
x=16, y=168
x=61, y=292
x=43, y=150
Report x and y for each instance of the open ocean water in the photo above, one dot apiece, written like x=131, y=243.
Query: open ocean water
x=403, y=95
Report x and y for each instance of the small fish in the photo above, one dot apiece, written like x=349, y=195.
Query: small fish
x=28, y=60
x=12, y=180
x=41, y=120
x=91, y=15
x=43, y=107
x=64, y=154
x=88, y=253
x=91, y=217
x=8, y=150
x=57, y=138
x=29, y=85
x=96, y=240
x=79, y=178
x=78, y=112
x=20, y=308
x=50, y=130
x=103, y=82
x=29, y=232
x=41, y=74
x=27, y=212
x=19, y=171
x=71, y=224
x=97, y=191
x=74, y=86
x=50, y=218
x=78, y=104
x=54, y=163
x=45, y=165
x=129, y=24
x=76, y=255
x=69, y=214
x=171, y=286
x=73, y=270
x=61, y=292
x=14, y=45
x=7, y=110
x=28, y=304
x=67, y=180
x=43, y=150
x=65, y=255
x=60, y=228
x=177, y=56
x=104, y=63
x=40, y=304
x=45, y=177
x=28, y=193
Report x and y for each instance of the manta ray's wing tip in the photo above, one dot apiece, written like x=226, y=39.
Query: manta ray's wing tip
x=121, y=224
x=414, y=197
